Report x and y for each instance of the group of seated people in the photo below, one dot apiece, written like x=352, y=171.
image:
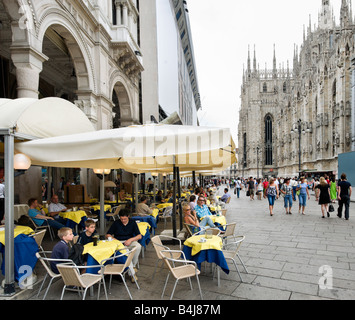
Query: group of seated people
x=124, y=229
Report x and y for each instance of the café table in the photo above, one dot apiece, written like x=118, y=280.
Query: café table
x=162, y=206
x=220, y=221
x=210, y=251
x=74, y=218
x=25, y=249
x=95, y=209
x=104, y=250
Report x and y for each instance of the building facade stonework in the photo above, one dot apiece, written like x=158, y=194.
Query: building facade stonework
x=314, y=96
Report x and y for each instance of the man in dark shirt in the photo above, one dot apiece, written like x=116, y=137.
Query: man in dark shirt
x=251, y=186
x=126, y=230
x=344, y=194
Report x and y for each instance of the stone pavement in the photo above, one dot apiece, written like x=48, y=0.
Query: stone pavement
x=288, y=258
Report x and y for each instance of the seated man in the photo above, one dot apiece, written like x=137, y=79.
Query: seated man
x=39, y=217
x=142, y=208
x=201, y=208
x=126, y=231
x=191, y=218
x=226, y=196
x=55, y=207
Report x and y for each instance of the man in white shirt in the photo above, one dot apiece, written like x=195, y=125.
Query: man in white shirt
x=2, y=199
x=55, y=207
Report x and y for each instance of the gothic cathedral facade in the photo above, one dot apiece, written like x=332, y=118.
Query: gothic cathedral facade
x=300, y=119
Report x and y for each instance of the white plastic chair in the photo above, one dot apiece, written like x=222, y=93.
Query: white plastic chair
x=158, y=246
x=120, y=269
x=231, y=254
x=187, y=270
x=49, y=273
x=79, y=282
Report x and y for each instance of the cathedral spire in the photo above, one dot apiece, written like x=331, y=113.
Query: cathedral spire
x=254, y=61
x=248, y=70
x=325, y=16
x=274, y=70
x=344, y=14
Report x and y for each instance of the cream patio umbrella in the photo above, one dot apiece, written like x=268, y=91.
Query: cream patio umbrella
x=137, y=149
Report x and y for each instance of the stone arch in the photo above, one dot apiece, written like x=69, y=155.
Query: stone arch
x=123, y=107
x=66, y=27
x=123, y=104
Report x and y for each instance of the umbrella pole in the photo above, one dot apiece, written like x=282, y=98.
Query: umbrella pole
x=102, y=206
x=179, y=195
x=136, y=182
x=174, y=202
x=9, y=287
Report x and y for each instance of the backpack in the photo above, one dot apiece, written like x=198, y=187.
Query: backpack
x=76, y=254
x=24, y=220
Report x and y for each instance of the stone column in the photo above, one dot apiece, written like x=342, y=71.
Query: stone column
x=125, y=15
x=29, y=64
x=118, y=13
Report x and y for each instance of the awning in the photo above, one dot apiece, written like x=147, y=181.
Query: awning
x=137, y=149
x=48, y=117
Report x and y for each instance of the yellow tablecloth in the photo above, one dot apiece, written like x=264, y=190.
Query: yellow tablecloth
x=215, y=243
x=215, y=208
x=18, y=230
x=164, y=205
x=143, y=227
x=104, y=249
x=219, y=219
x=75, y=216
x=107, y=207
x=155, y=213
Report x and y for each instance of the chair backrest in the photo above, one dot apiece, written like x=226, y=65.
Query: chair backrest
x=46, y=265
x=70, y=275
x=188, y=228
x=39, y=237
x=168, y=211
x=158, y=246
x=167, y=256
x=230, y=229
x=215, y=231
x=118, y=209
x=130, y=257
x=228, y=200
x=237, y=243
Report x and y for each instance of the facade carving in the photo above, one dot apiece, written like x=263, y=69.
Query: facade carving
x=313, y=102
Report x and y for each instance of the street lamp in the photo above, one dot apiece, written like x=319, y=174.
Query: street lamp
x=101, y=175
x=257, y=161
x=299, y=130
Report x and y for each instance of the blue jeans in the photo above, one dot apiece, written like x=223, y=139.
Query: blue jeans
x=238, y=192
x=207, y=221
x=54, y=224
x=271, y=199
x=302, y=198
x=288, y=201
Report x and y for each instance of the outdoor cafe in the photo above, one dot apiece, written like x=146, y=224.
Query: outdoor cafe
x=162, y=149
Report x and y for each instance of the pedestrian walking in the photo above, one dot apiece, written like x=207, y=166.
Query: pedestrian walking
x=323, y=196
x=287, y=192
x=333, y=190
x=238, y=185
x=260, y=189
x=251, y=188
x=272, y=193
x=344, y=194
x=303, y=195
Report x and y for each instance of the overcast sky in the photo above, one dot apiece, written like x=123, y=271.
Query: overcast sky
x=222, y=31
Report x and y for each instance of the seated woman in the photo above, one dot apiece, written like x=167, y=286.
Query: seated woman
x=159, y=197
x=191, y=219
x=122, y=195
